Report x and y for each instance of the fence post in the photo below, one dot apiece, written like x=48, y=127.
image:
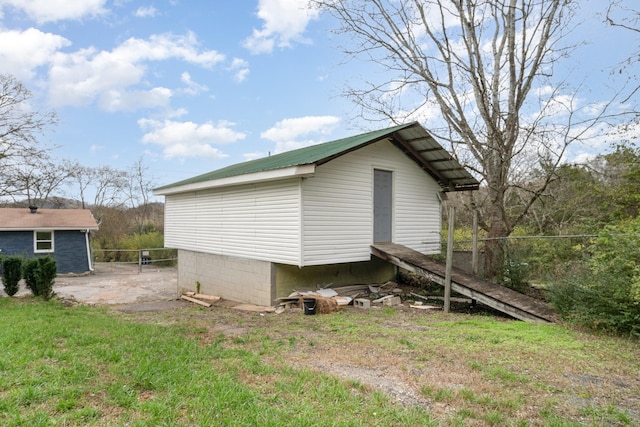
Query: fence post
x=139, y=261
x=474, y=248
x=449, y=265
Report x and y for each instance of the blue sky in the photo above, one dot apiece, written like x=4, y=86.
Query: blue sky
x=192, y=86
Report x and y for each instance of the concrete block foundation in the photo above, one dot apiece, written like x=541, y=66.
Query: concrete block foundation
x=262, y=282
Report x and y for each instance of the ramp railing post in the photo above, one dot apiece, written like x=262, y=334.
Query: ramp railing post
x=449, y=265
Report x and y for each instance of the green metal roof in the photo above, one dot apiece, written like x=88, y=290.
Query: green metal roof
x=410, y=138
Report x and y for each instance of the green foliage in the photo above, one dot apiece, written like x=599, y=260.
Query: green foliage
x=45, y=274
x=153, y=239
x=620, y=183
x=129, y=246
x=11, y=274
x=29, y=274
x=604, y=292
x=515, y=270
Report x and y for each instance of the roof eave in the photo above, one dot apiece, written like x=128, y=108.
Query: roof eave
x=263, y=176
x=447, y=184
x=49, y=227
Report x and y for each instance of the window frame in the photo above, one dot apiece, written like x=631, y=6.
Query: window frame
x=36, y=241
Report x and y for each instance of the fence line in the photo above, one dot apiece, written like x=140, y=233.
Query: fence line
x=139, y=257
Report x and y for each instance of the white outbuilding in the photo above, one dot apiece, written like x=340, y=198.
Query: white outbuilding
x=253, y=231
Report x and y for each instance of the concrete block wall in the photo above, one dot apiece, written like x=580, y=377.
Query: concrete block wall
x=290, y=277
x=237, y=279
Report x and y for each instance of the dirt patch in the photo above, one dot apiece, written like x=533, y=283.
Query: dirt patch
x=382, y=378
x=388, y=354
x=116, y=284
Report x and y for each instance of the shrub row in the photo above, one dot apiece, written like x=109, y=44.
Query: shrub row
x=38, y=273
x=603, y=291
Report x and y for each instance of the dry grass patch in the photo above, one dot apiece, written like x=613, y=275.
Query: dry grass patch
x=466, y=369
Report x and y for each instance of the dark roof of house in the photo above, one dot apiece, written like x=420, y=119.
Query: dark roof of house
x=411, y=138
x=52, y=219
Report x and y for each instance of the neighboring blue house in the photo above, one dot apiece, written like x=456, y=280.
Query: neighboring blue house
x=62, y=234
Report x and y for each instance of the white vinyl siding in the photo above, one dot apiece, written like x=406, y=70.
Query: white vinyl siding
x=257, y=221
x=417, y=209
x=338, y=206
x=323, y=219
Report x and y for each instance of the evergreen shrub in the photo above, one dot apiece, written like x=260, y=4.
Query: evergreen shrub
x=29, y=274
x=11, y=274
x=45, y=275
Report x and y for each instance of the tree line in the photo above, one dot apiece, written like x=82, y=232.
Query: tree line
x=30, y=175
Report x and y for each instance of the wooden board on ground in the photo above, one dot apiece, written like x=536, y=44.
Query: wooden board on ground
x=207, y=297
x=196, y=301
x=254, y=308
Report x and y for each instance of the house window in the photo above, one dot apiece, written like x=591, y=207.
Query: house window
x=43, y=241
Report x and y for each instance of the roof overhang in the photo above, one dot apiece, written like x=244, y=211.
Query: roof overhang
x=299, y=171
x=49, y=228
x=421, y=147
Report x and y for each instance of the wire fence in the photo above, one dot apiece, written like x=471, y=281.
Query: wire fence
x=530, y=258
x=139, y=260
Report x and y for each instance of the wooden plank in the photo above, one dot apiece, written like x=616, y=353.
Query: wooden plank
x=207, y=297
x=254, y=308
x=196, y=301
x=508, y=301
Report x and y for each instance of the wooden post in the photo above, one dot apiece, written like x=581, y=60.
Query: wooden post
x=449, y=265
x=474, y=248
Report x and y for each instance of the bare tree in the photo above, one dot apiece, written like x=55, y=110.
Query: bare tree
x=81, y=178
x=108, y=186
x=19, y=127
x=138, y=189
x=485, y=66
x=620, y=15
x=36, y=180
x=99, y=188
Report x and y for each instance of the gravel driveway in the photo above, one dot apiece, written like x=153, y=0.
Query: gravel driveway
x=113, y=284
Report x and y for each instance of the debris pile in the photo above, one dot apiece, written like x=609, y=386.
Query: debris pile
x=362, y=296
x=329, y=299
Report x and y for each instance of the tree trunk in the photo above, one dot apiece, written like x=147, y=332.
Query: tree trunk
x=497, y=228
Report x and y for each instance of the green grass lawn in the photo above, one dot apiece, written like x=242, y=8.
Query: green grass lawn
x=83, y=366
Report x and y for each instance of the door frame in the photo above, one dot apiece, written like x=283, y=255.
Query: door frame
x=391, y=199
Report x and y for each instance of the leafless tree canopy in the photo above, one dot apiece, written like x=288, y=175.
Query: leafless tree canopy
x=486, y=68
x=20, y=150
x=19, y=124
x=627, y=19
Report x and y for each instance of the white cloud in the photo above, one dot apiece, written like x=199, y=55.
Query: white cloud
x=87, y=75
x=56, y=10
x=188, y=139
x=288, y=134
x=21, y=52
x=241, y=69
x=145, y=12
x=117, y=100
x=583, y=158
x=285, y=21
x=192, y=88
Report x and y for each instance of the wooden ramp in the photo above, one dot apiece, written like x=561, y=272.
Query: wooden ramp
x=495, y=296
